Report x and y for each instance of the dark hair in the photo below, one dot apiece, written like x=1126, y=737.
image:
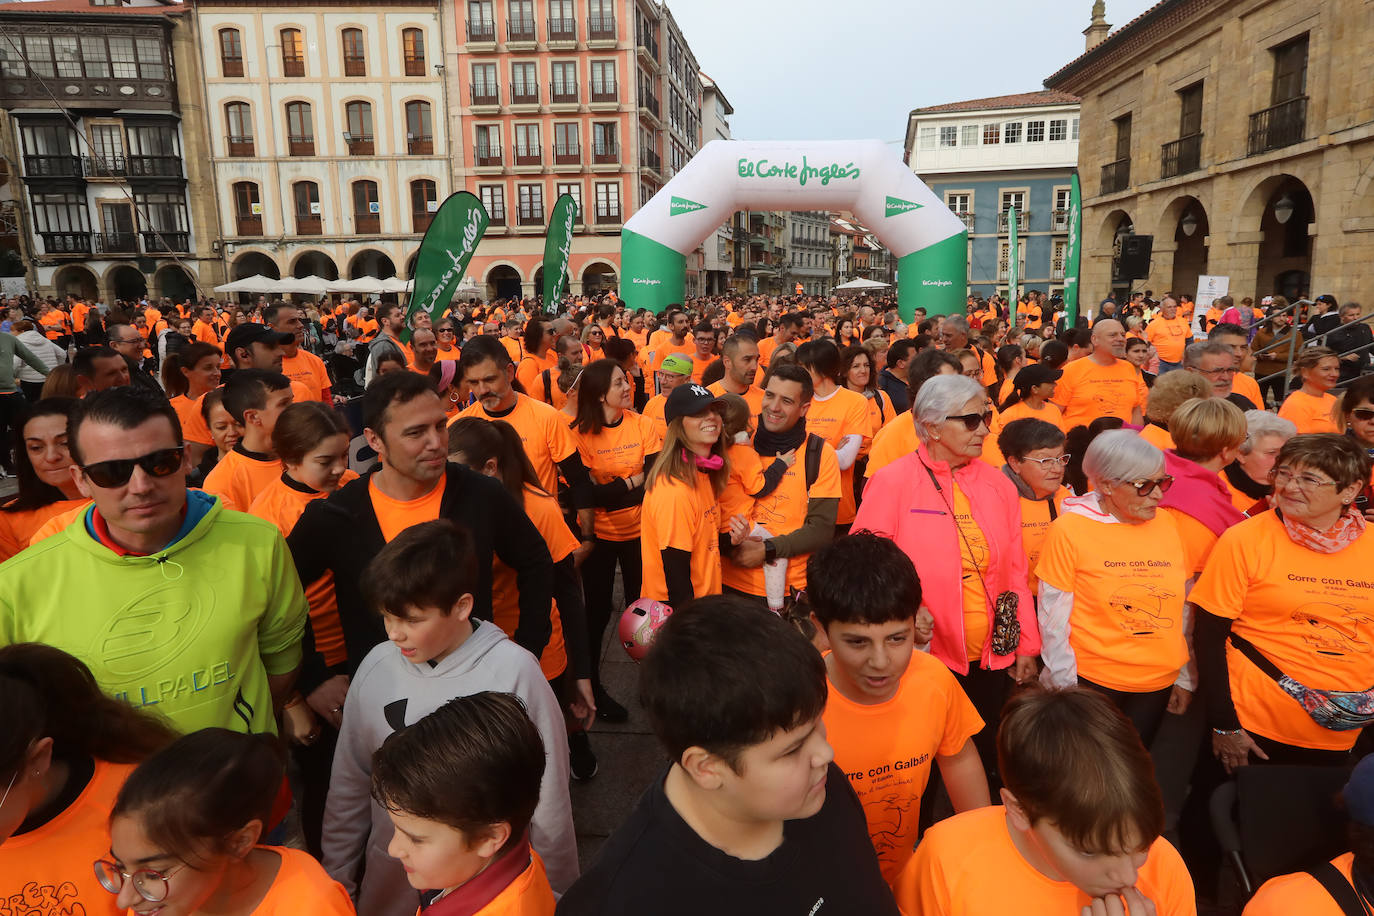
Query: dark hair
x=125, y=407
x=1227, y=329
x=482, y=348
x=1054, y=353
x=1007, y=355
x=821, y=357
x=474, y=762
x=1362, y=389
x=1021, y=437
x=33, y=492
x=1136, y=342
x=247, y=389
x=595, y=385
x=1339, y=457
x=789, y=372
x=534, y=334
x=301, y=427
x=723, y=675
x=84, y=362
x=185, y=358
x=46, y=693
x=900, y=350
x=714, y=372
x=847, y=357
x=618, y=349
x=394, y=388
x=383, y=310
x=925, y=365
x=862, y=578
x=270, y=313
x=194, y=793
x=792, y=319
x=478, y=441
x=1077, y=442
x=432, y=564
x=208, y=403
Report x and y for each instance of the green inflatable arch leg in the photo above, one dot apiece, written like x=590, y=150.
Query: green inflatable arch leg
x=660, y=273
x=934, y=278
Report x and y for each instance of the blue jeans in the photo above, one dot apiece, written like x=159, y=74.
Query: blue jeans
x=1168, y=367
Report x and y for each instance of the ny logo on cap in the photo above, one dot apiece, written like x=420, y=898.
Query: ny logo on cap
x=700, y=391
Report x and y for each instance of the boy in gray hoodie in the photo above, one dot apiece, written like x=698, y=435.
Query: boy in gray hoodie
x=422, y=584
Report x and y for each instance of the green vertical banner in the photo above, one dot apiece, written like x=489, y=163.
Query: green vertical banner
x=445, y=251
x=558, y=249
x=1073, y=252
x=1013, y=265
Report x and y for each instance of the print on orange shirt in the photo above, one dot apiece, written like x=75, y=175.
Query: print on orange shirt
x=686, y=518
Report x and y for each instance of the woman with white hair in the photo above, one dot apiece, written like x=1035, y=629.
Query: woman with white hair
x=959, y=520
x=1248, y=476
x=1112, y=576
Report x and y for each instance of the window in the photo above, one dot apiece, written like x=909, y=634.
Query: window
x=604, y=147
x=1059, y=129
x=154, y=151
x=992, y=133
x=520, y=20
x=574, y=190
x=527, y=151
x=63, y=222
x=247, y=208
x=949, y=136
x=1061, y=199
x=1012, y=132
x=488, y=151
x=123, y=61
x=1004, y=261
x=358, y=128
x=957, y=203
x=1290, y=71
x=107, y=149
x=39, y=52
x=564, y=81
x=95, y=58
x=485, y=91
x=601, y=19
x=413, y=47
x=566, y=149
x=481, y=25
x=238, y=121
x=1035, y=131
x=292, y=53
x=1061, y=248
x=152, y=63
x=1073, y=130
x=67, y=58
x=231, y=52
x=968, y=135
x=562, y=20
x=603, y=81
x=424, y=200
x=306, y=195
x=524, y=84
x=929, y=135
x=494, y=200
x=608, y=201
x=419, y=129
x=531, y=212
x=1123, y=137
x=300, y=129
x=366, y=207
x=354, y=54
x=1190, y=110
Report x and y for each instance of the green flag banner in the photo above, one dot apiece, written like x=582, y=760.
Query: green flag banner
x=558, y=249
x=445, y=251
x=1013, y=265
x=1072, y=252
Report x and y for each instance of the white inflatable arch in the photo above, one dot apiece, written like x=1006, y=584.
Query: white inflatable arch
x=930, y=242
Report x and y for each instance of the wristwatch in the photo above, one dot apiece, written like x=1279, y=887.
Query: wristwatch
x=770, y=551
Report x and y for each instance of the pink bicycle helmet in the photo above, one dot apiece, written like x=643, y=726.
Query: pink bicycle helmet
x=639, y=623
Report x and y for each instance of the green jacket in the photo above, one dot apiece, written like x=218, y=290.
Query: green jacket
x=191, y=632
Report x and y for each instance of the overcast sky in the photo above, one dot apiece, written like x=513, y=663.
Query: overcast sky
x=852, y=69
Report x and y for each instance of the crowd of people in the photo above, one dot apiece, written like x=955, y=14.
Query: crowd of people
x=305, y=609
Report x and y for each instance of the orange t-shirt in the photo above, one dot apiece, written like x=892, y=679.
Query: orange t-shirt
x=618, y=452
x=753, y=396
x=1035, y=527
x=880, y=410
x=1309, y=613
x=303, y=886
x=653, y=412
x=48, y=870
x=844, y=413
x=239, y=477
x=1246, y=386
x=308, y=371
x=18, y=527
x=544, y=512
x=766, y=348
x=1088, y=391
x=58, y=523
x=1299, y=893
x=1169, y=337
x=1126, y=628
x=886, y=750
x=973, y=562
x=396, y=515
x=193, y=425
x=687, y=518
x=893, y=441
x=746, y=478
x=528, y=895
x=452, y=353
x=282, y=504
x=1157, y=436
x=205, y=333
x=1309, y=414
x=1050, y=413
x=543, y=431
x=667, y=348
x=55, y=324
x=515, y=347
x=529, y=369
x=1198, y=540
x=968, y=865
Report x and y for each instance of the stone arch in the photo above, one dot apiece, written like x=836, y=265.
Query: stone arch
x=1184, y=226
x=371, y=263
x=124, y=281
x=599, y=275
x=251, y=263
x=503, y=280
x=316, y=262
x=175, y=282
x=1250, y=213
x=1110, y=227
x=78, y=280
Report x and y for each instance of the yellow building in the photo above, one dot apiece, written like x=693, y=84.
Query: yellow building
x=1240, y=135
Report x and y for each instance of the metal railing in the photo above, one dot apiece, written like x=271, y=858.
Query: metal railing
x=606, y=154
x=520, y=29
x=61, y=166
x=601, y=27
x=563, y=94
x=420, y=146
x=1290, y=346
x=530, y=216
x=240, y=146
x=1022, y=220
x=166, y=241
x=1278, y=126
x=562, y=29
x=116, y=243
x=650, y=160
x=482, y=30
x=487, y=155
x=105, y=167
x=486, y=95
x=300, y=146
x=567, y=154
x=309, y=224
x=528, y=155
x=1181, y=156
x=1116, y=176
x=66, y=242
x=604, y=92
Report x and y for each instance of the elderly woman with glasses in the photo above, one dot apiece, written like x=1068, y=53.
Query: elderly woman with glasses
x=1035, y=463
x=1112, y=576
x=1249, y=477
x=959, y=519
x=1285, y=615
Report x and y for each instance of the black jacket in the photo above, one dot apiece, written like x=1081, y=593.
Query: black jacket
x=896, y=389
x=340, y=534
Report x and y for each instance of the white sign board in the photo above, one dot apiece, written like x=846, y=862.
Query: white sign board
x=14, y=286
x=1211, y=287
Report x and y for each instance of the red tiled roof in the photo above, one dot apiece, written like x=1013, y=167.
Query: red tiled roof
x=84, y=7
x=1020, y=100
x=1113, y=41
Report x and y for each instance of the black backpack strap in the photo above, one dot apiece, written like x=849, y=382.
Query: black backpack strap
x=548, y=385
x=1335, y=884
x=1249, y=650
x=813, y=459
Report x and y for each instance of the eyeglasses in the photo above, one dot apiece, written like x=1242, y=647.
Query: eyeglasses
x=1047, y=464
x=116, y=473
x=1307, y=483
x=972, y=421
x=1215, y=373
x=1363, y=414
x=1146, y=485
x=151, y=885
x=446, y=331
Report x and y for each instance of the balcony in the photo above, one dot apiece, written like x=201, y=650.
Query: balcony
x=601, y=27
x=1116, y=176
x=530, y=216
x=524, y=95
x=309, y=224
x=648, y=44
x=360, y=144
x=485, y=95
x=415, y=66
x=1060, y=220
x=293, y=66
x=300, y=146
x=563, y=95
x=482, y=30
x=606, y=154
x=650, y=160
x=420, y=221
x=965, y=218
x=420, y=146
x=231, y=66
x=1004, y=224
x=520, y=30
x=154, y=166
x=528, y=155
x=650, y=102
x=607, y=216
x=564, y=154
x=1180, y=156
x=249, y=225
x=562, y=29
x=116, y=243
x=240, y=146
x=66, y=242
x=367, y=223
x=1057, y=272
x=487, y=155
x=166, y=241
x=52, y=166
x=105, y=167
x=355, y=66
x=1278, y=126
x=603, y=92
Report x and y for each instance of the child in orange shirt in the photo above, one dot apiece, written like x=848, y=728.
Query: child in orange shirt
x=749, y=481
x=461, y=785
x=892, y=710
x=255, y=398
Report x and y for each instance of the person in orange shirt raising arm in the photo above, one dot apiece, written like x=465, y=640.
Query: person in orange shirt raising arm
x=1169, y=335
x=1103, y=383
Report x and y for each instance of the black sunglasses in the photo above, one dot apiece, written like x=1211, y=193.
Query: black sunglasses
x=1363, y=414
x=162, y=463
x=972, y=421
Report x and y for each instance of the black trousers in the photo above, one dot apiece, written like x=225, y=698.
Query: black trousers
x=988, y=691
x=12, y=406
x=598, y=589
x=1145, y=710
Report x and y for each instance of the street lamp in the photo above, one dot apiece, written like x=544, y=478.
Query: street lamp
x=1283, y=209
x=1188, y=224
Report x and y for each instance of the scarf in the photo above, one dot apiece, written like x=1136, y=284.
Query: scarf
x=1199, y=493
x=769, y=444
x=1339, y=536
x=1246, y=484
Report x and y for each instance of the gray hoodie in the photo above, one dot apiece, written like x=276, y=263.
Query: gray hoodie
x=389, y=693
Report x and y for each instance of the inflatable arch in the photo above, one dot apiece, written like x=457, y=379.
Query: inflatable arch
x=930, y=242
